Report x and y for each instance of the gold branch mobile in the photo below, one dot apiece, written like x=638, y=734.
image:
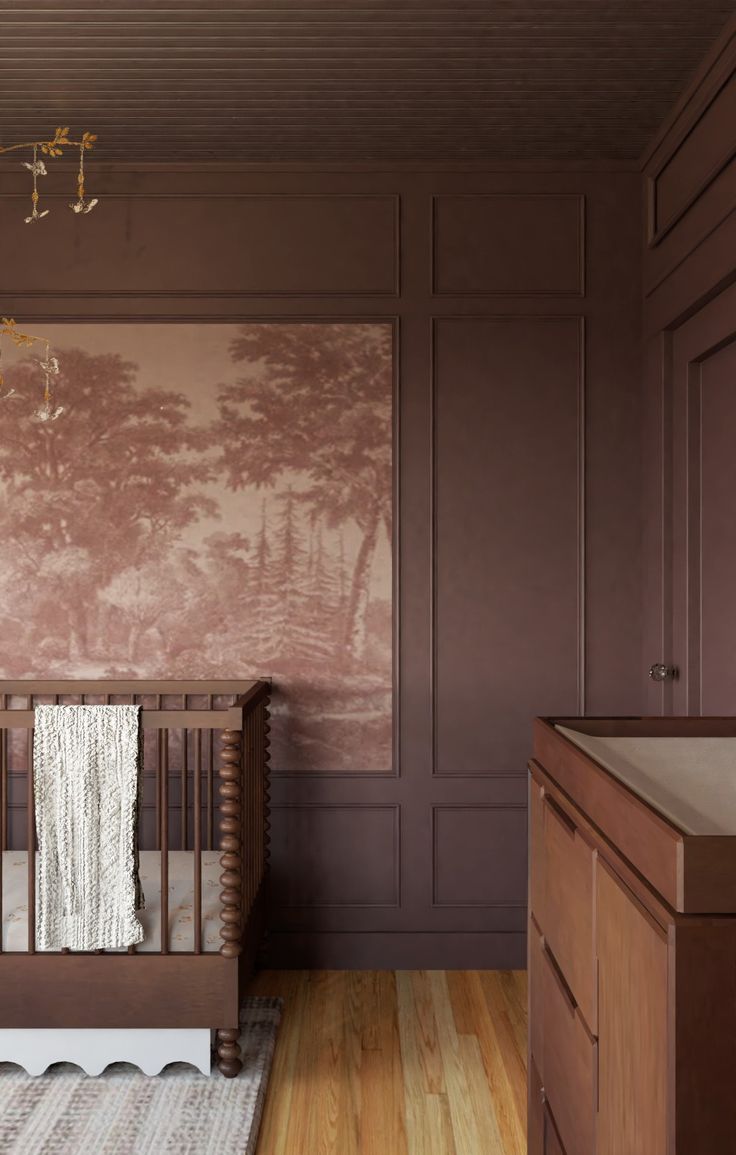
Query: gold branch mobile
x=48, y=410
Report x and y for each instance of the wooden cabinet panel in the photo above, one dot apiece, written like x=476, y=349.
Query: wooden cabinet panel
x=535, y=1117
x=568, y=867
x=552, y=1143
x=536, y=997
x=536, y=851
x=568, y=1065
x=632, y=1017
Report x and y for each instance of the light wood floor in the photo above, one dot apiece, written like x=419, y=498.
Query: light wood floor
x=397, y=1063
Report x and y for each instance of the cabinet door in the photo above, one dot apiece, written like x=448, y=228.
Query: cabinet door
x=632, y=1024
x=552, y=1141
x=536, y=851
x=535, y=1112
x=569, y=873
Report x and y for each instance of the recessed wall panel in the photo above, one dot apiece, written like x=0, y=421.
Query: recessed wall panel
x=332, y=855
x=280, y=245
x=509, y=244
x=508, y=498
x=479, y=855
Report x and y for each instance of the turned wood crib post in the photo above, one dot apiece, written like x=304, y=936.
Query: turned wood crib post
x=231, y=879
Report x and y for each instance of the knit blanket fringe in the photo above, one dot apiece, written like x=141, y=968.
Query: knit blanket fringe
x=85, y=779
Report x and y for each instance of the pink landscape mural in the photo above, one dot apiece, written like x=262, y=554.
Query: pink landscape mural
x=214, y=500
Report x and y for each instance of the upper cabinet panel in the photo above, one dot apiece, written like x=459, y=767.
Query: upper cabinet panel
x=697, y=159
x=690, y=179
x=509, y=244
x=226, y=245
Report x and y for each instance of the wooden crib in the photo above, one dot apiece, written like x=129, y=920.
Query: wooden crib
x=203, y=817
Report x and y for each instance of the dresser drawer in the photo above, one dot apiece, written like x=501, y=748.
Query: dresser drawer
x=569, y=1062
x=566, y=863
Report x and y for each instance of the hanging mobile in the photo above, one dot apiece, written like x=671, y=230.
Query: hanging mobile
x=38, y=168
x=48, y=410
x=50, y=368
x=81, y=205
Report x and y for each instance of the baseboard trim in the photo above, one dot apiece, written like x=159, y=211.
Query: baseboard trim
x=406, y=951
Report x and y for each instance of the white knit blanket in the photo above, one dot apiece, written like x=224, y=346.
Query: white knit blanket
x=85, y=775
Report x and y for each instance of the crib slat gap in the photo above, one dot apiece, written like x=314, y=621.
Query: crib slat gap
x=4, y=778
x=3, y=782
x=3, y=809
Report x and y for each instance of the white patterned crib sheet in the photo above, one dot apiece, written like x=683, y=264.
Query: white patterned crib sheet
x=181, y=900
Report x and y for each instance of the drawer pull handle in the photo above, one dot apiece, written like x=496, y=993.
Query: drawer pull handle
x=560, y=814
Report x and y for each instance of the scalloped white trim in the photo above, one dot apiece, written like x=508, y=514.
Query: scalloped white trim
x=94, y=1049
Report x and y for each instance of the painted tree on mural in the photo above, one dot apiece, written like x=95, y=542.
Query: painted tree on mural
x=317, y=405
x=100, y=492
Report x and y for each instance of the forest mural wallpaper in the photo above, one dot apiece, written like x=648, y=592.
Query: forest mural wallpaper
x=214, y=501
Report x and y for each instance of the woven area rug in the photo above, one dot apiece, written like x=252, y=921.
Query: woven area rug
x=123, y=1112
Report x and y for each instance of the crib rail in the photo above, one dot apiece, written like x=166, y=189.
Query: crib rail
x=196, y=736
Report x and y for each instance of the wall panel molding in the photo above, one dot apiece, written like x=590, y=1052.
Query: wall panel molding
x=338, y=850
x=439, y=765
x=279, y=245
x=508, y=244
x=455, y=855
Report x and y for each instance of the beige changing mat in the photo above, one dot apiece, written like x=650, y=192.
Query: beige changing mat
x=181, y=900
x=692, y=781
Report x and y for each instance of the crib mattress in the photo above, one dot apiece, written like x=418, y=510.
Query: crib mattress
x=181, y=900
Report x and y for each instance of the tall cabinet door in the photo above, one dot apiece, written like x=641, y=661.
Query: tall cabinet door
x=632, y=1024
x=703, y=525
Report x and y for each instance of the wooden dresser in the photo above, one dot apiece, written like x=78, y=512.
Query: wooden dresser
x=632, y=937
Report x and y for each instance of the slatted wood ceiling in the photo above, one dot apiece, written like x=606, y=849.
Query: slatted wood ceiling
x=344, y=80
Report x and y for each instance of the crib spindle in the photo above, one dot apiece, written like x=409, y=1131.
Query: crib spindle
x=197, y=841
x=184, y=800
x=230, y=774
x=163, y=762
x=266, y=784
x=210, y=786
x=249, y=847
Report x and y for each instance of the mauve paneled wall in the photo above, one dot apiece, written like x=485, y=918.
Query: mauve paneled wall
x=513, y=298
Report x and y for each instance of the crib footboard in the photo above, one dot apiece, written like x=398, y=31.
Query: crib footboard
x=203, y=833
